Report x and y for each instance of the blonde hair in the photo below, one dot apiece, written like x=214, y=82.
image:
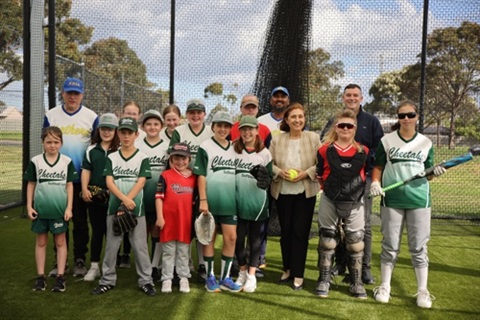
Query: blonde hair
x=332, y=135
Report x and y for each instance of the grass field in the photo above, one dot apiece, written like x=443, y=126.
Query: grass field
x=454, y=280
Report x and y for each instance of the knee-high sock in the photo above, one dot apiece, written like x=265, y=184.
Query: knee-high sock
x=200, y=253
x=386, y=274
x=226, y=266
x=422, y=278
x=209, y=265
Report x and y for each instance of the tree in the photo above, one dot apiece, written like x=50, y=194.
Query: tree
x=11, y=33
x=215, y=91
x=119, y=76
x=324, y=95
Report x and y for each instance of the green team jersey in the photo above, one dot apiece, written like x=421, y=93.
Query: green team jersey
x=401, y=160
x=252, y=202
x=185, y=134
x=158, y=158
x=217, y=164
x=50, y=196
x=125, y=173
x=94, y=161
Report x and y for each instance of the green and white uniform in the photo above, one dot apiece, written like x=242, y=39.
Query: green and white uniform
x=125, y=172
x=50, y=196
x=165, y=136
x=185, y=134
x=403, y=159
x=217, y=164
x=408, y=205
x=252, y=202
x=158, y=158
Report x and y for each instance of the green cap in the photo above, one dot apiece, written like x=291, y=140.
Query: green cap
x=128, y=123
x=248, y=121
x=222, y=116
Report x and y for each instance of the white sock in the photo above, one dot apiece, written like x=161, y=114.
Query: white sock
x=422, y=278
x=386, y=274
x=94, y=265
x=157, y=254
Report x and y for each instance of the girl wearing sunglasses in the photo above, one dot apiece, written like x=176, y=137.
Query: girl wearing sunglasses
x=341, y=172
x=400, y=155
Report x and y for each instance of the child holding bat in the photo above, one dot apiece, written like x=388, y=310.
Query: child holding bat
x=400, y=155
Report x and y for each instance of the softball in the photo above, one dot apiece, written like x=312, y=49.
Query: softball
x=293, y=173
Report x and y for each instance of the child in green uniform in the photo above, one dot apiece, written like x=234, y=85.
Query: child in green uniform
x=215, y=167
x=50, y=186
x=126, y=172
x=104, y=142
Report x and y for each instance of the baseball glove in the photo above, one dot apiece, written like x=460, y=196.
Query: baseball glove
x=99, y=194
x=204, y=228
x=261, y=174
x=123, y=221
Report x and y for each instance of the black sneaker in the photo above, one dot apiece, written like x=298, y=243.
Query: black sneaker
x=149, y=289
x=156, y=275
x=102, y=289
x=125, y=263
x=201, y=273
x=40, y=283
x=59, y=285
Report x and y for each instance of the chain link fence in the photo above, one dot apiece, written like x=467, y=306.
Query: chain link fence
x=250, y=47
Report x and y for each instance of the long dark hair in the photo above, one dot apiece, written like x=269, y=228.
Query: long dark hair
x=404, y=103
x=114, y=144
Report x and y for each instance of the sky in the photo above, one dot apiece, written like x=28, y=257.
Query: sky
x=221, y=40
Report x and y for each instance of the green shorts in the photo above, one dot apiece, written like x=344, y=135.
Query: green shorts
x=55, y=226
x=230, y=220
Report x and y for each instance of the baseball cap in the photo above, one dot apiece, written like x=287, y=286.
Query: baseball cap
x=181, y=149
x=128, y=123
x=108, y=120
x=152, y=114
x=195, y=105
x=248, y=121
x=222, y=116
x=73, y=84
x=281, y=89
x=249, y=99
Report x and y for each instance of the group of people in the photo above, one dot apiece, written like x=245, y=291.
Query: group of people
x=167, y=174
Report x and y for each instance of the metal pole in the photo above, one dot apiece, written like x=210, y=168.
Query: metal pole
x=52, y=99
x=423, y=75
x=26, y=93
x=172, y=51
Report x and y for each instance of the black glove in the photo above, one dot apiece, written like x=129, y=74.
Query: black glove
x=262, y=175
x=123, y=221
x=99, y=195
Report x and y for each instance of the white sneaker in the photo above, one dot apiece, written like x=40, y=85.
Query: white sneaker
x=167, y=286
x=92, y=274
x=242, y=277
x=424, y=299
x=381, y=294
x=250, y=284
x=184, y=285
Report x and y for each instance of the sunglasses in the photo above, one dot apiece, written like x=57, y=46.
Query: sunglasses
x=344, y=125
x=409, y=115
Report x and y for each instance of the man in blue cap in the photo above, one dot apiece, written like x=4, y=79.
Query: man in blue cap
x=279, y=101
x=78, y=123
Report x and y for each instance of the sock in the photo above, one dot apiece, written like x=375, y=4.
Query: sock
x=386, y=274
x=226, y=266
x=209, y=265
x=93, y=265
x=154, y=244
x=200, y=253
x=422, y=278
x=157, y=254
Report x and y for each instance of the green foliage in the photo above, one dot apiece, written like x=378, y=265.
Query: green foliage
x=213, y=89
x=11, y=33
x=324, y=95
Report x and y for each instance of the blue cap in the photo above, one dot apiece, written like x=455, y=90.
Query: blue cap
x=73, y=84
x=282, y=89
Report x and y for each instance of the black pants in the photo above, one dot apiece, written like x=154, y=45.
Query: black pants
x=98, y=222
x=253, y=230
x=80, y=224
x=295, y=214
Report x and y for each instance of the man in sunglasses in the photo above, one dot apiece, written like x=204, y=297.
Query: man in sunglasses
x=369, y=132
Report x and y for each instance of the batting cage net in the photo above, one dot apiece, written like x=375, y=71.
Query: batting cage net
x=222, y=50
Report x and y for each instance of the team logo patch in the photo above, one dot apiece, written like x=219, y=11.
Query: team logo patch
x=346, y=165
x=58, y=225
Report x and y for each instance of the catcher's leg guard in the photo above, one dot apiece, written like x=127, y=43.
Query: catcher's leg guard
x=355, y=268
x=326, y=250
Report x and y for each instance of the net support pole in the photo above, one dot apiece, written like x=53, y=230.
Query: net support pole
x=423, y=75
